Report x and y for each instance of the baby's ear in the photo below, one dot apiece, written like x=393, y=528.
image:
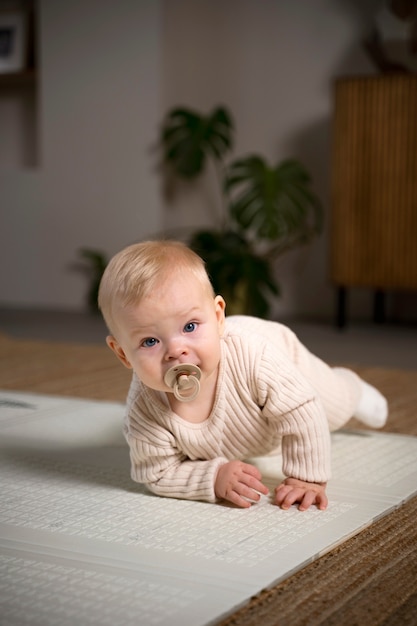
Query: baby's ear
x=220, y=307
x=118, y=350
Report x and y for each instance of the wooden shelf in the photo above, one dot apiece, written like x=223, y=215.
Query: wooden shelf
x=374, y=187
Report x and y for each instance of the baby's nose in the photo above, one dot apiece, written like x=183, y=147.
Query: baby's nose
x=175, y=349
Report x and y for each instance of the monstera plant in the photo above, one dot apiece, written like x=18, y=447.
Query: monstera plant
x=267, y=209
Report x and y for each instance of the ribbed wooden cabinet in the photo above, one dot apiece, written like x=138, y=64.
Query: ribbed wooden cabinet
x=374, y=187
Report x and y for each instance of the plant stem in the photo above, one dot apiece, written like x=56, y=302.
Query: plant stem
x=224, y=217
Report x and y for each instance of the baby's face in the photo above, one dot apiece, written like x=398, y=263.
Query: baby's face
x=179, y=323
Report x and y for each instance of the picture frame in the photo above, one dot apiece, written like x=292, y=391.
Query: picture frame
x=13, y=42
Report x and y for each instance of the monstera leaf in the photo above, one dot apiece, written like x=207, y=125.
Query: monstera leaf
x=237, y=272
x=274, y=202
x=187, y=138
x=265, y=210
x=94, y=264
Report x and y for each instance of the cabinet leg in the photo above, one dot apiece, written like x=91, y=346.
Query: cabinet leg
x=379, y=307
x=341, y=307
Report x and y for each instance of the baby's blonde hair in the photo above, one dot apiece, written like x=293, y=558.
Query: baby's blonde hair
x=135, y=271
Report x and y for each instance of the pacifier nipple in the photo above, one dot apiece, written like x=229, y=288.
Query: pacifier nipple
x=184, y=380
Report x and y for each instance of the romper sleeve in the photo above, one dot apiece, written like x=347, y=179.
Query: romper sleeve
x=157, y=462
x=288, y=399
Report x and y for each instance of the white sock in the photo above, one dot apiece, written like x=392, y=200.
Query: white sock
x=372, y=409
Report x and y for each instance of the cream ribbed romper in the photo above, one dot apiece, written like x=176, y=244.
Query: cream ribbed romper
x=271, y=391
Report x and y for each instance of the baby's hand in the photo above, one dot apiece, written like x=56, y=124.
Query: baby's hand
x=292, y=490
x=239, y=483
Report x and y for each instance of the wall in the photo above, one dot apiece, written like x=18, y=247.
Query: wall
x=272, y=63
x=92, y=182
x=108, y=73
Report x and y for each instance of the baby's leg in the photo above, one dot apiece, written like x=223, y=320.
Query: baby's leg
x=372, y=408
x=346, y=395
x=343, y=393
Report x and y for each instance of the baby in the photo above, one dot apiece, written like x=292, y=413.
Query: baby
x=209, y=392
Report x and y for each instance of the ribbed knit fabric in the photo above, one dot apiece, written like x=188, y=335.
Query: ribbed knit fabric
x=270, y=390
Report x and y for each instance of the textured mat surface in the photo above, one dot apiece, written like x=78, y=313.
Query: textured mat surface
x=370, y=579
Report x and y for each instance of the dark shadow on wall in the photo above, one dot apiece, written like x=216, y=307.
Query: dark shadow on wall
x=311, y=292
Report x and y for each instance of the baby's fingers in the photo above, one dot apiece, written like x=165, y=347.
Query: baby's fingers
x=235, y=498
x=254, y=484
x=286, y=496
x=239, y=483
x=312, y=497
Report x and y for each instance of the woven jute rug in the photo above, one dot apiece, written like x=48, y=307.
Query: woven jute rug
x=371, y=579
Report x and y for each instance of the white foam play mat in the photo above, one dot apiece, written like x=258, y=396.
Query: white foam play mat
x=81, y=543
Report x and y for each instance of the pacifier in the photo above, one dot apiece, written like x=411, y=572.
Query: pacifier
x=184, y=380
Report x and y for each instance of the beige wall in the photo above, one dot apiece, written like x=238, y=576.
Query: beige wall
x=92, y=182
x=109, y=70
x=272, y=63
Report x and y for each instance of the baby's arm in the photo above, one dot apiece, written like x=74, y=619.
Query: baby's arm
x=293, y=490
x=167, y=472
x=239, y=483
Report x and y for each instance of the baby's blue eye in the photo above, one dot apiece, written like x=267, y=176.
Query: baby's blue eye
x=190, y=327
x=148, y=343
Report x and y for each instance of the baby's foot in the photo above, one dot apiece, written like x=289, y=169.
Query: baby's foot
x=372, y=409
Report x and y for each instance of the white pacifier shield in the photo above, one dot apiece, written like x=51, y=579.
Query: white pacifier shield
x=184, y=378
